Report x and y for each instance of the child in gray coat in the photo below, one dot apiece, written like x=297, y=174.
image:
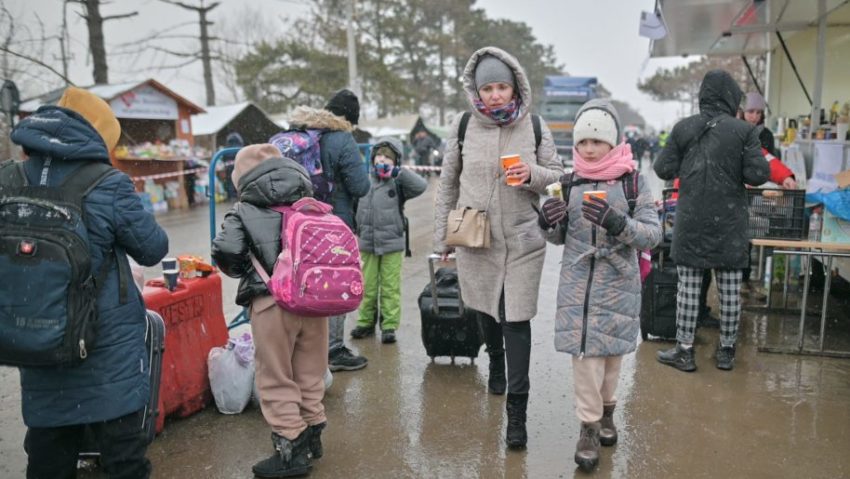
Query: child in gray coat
x=380, y=229
x=607, y=218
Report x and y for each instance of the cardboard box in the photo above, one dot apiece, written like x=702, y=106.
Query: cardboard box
x=843, y=179
x=835, y=229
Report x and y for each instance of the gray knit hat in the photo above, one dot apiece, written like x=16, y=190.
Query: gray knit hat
x=492, y=70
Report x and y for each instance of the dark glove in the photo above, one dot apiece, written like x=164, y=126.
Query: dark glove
x=553, y=211
x=599, y=212
x=395, y=171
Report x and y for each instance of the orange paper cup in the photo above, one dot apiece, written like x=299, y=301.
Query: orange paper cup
x=598, y=194
x=507, y=162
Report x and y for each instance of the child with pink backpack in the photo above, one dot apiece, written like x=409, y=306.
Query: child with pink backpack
x=285, y=247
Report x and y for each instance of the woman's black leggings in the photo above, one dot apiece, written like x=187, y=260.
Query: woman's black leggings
x=517, y=338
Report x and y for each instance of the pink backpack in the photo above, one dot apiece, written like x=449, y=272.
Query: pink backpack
x=317, y=272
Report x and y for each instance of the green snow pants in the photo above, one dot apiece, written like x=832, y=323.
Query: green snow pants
x=382, y=278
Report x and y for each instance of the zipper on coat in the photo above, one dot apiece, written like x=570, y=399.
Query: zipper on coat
x=587, y=290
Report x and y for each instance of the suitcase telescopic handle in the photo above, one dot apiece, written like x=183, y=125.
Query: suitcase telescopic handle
x=433, y=259
x=665, y=193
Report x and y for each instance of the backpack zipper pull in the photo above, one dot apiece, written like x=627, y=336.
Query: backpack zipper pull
x=83, y=353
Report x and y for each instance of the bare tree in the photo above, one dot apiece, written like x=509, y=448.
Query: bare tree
x=206, y=58
x=239, y=34
x=94, y=21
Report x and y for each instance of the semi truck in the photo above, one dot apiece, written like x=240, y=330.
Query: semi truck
x=562, y=97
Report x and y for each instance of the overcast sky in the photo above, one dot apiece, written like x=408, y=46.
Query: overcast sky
x=591, y=38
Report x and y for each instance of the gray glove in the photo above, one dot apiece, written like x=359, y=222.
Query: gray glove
x=554, y=210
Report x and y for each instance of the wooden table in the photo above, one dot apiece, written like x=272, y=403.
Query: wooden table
x=808, y=249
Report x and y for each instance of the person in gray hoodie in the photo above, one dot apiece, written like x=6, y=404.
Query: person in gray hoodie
x=380, y=229
x=599, y=293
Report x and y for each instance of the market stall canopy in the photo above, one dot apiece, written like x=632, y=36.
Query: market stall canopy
x=734, y=27
x=149, y=99
x=245, y=118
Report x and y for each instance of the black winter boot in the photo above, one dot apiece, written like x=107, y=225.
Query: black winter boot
x=516, y=435
x=607, y=431
x=587, y=448
x=496, y=381
x=316, y=440
x=291, y=458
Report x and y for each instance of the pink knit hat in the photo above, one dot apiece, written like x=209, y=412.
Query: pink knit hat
x=250, y=157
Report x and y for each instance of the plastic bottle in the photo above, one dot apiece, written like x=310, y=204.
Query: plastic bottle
x=815, y=225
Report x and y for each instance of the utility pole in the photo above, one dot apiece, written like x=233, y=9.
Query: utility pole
x=353, y=81
x=206, y=59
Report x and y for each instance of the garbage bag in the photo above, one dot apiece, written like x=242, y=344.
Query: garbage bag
x=231, y=372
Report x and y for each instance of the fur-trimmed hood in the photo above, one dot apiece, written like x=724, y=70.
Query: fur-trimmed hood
x=318, y=119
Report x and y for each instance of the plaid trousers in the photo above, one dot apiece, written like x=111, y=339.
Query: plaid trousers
x=687, y=303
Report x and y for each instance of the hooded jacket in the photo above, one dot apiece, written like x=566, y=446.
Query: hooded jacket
x=113, y=380
x=711, y=215
x=380, y=226
x=341, y=159
x=514, y=261
x=599, y=292
x=250, y=226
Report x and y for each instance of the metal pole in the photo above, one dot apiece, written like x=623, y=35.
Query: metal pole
x=353, y=82
x=211, y=187
x=803, y=306
x=793, y=66
x=816, y=105
x=827, y=284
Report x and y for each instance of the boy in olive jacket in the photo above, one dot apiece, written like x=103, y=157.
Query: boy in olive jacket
x=380, y=229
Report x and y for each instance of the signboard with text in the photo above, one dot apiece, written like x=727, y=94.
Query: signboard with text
x=145, y=102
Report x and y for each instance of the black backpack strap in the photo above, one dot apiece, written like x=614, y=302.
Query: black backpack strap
x=461, y=132
x=87, y=177
x=538, y=131
x=630, y=189
x=81, y=182
x=406, y=224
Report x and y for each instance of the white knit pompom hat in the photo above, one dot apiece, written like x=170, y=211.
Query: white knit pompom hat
x=596, y=124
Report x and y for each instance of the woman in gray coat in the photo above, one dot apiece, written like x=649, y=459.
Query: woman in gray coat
x=500, y=281
x=599, y=294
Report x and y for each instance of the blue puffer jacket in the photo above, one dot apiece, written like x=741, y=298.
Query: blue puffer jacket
x=113, y=380
x=340, y=157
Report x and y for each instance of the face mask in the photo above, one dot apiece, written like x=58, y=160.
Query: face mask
x=383, y=170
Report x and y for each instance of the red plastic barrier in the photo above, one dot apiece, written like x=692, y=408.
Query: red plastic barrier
x=194, y=324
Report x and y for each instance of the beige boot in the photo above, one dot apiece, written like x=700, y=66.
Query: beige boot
x=587, y=448
x=607, y=431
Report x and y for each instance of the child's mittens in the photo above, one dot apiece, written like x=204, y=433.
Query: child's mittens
x=554, y=210
x=599, y=212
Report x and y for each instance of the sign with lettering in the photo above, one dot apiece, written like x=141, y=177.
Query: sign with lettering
x=145, y=103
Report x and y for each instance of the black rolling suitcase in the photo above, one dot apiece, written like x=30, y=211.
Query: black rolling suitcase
x=448, y=329
x=155, y=341
x=658, y=294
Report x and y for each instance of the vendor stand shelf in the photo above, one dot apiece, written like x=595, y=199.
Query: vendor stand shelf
x=809, y=249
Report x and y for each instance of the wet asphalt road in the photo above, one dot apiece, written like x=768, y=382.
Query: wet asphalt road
x=404, y=416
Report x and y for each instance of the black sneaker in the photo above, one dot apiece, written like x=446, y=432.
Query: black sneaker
x=678, y=357
x=344, y=360
x=388, y=336
x=725, y=358
x=361, y=332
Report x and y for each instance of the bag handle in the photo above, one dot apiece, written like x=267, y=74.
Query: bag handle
x=259, y=269
x=311, y=204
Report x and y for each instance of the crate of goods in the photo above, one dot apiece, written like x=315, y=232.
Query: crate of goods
x=777, y=214
x=194, y=319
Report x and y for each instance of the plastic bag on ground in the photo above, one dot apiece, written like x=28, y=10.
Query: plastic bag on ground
x=231, y=372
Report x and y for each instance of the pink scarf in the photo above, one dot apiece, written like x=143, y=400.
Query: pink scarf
x=615, y=164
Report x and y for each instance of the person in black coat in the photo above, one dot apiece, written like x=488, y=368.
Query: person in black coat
x=714, y=155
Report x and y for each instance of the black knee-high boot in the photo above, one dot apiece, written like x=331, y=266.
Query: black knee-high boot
x=518, y=345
